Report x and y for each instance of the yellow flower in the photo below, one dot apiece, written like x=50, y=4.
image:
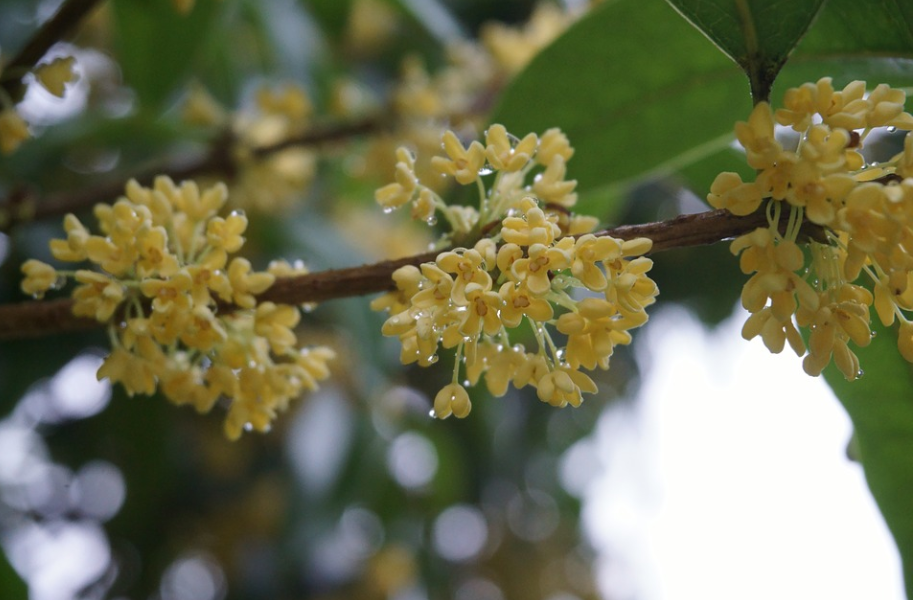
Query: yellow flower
x=593, y=332
x=203, y=330
x=503, y=154
x=98, y=297
x=276, y=323
x=394, y=195
x=551, y=187
x=39, y=278
x=534, y=227
x=452, y=400
x=730, y=192
x=553, y=143
x=534, y=270
x=225, y=234
x=13, y=131
x=564, y=386
x=54, y=76
x=467, y=267
x=73, y=249
x=520, y=302
x=757, y=137
x=169, y=295
x=464, y=164
x=483, y=312
x=245, y=285
x=154, y=257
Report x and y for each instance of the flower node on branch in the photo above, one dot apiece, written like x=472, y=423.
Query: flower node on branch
x=531, y=260
x=156, y=275
x=865, y=211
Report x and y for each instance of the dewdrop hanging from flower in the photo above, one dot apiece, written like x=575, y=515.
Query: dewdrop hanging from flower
x=862, y=212
x=162, y=267
x=527, y=255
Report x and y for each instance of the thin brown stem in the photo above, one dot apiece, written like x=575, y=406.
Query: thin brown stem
x=51, y=31
x=23, y=206
x=42, y=318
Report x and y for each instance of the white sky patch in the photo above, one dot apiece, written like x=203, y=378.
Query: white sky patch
x=728, y=479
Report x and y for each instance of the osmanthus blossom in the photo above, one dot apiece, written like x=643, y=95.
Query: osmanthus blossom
x=159, y=269
x=529, y=255
x=863, y=214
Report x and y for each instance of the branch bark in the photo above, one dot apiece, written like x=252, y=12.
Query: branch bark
x=23, y=206
x=43, y=318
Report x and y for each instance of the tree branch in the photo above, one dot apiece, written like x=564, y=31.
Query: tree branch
x=42, y=318
x=51, y=31
x=23, y=206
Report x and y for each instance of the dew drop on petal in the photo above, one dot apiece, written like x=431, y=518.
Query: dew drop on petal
x=238, y=213
x=59, y=282
x=859, y=374
x=387, y=210
x=432, y=414
x=892, y=129
x=486, y=169
x=248, y=426
x=466, y=383
x=432, y=221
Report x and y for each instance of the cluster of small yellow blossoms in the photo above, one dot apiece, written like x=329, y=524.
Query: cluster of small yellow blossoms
x=159, y=271
x=272, y=181
x=861, y=215
x=53, y=77
x=532, y=259
x=459, y=93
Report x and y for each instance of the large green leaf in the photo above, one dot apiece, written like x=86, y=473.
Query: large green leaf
x=639, y=91
x=881, y=407
x=156, y=45
x=757, y=34
x=633, y=86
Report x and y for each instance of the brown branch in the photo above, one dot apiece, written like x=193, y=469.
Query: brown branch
x=51, y=31
x=23, y=206
x=42, y=318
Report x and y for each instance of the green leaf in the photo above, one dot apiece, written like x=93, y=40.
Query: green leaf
x=157, y=46
x=757, y=34
x=881, y=407
x=645, y=89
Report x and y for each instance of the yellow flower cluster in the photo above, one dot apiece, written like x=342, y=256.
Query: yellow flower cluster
x=53, y=77
x=271, y=182
x=536, y=260
x=863, y=215
x=161, y=267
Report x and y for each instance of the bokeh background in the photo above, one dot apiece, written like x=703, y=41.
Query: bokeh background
x=357, y=492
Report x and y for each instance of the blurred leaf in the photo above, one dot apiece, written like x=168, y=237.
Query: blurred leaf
x=157, y=46
x=757, y=34
x=11, y=585
x=881, y=407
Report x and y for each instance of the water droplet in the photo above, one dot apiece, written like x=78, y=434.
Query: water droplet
x=560, y=354
x=859, y=373
x=892, y=129
x=238, y=213
x=486, y=169
x=248, y=426
x=431, y=221
x=466, y=383
x=388, y=209
x=309, y=307
x=873, y=334
x=432, y=359
x=37, y=296
x=432, y=414
x=59, y=282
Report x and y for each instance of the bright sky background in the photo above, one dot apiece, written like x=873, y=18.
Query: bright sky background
x=728, y=478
